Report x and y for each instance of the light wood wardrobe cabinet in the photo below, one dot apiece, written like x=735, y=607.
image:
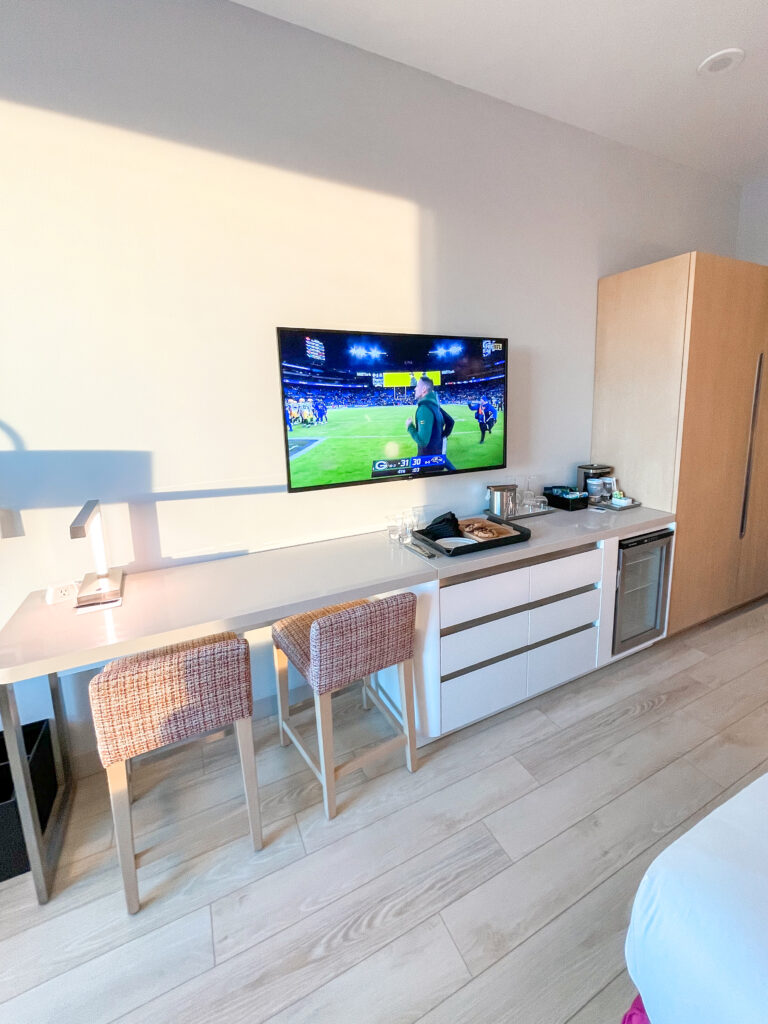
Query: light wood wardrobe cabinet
x=681, y=411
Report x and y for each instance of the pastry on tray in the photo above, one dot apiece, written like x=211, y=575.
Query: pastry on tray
x=483, y=529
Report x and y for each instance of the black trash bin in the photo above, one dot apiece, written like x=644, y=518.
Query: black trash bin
x=37, y=742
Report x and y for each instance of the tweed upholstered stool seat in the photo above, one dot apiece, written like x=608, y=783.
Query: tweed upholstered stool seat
x=334, y=647
x=146, y=701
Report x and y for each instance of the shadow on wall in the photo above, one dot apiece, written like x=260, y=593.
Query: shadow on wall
x=257, y=88
x=64, y=479
x=32, y=480
x=227, y=89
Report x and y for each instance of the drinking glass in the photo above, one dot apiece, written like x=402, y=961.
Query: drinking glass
x=394, y=528
x=420, y=519
x=409, y=522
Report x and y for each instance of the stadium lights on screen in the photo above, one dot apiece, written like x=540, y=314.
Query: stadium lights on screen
x=359, y=408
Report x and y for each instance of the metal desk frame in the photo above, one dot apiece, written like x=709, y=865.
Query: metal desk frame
x=43, y=848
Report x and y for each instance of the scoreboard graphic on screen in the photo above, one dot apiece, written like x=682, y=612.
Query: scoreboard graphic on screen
x=408, y=380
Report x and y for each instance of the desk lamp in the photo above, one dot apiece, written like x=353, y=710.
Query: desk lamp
x=104, y=586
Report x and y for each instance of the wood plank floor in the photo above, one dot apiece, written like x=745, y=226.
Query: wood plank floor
x=492, y=885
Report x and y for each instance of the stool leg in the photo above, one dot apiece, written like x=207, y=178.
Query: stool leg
x=283, y=703
x=324, y=717
x=367, y=681
x=244, y=733
x=117, y=780
x=405, y=672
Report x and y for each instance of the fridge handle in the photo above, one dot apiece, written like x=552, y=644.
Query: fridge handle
x=751, y=444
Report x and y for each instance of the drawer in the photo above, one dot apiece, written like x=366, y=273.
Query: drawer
x=560, y=616
x=550, y=578
x=481, y=693
x=473, y=600
x=479, y=643
x=561, y=660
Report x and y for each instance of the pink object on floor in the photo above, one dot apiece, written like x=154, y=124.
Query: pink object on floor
x=636, y=1013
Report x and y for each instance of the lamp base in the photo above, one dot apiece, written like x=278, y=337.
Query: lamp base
x=95, y=589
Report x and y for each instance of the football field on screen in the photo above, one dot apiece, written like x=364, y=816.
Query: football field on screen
x=344, y=449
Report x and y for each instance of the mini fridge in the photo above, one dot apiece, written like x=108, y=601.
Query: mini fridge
x=642, y=590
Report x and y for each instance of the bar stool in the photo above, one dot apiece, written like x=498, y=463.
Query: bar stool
x=334, y=647
x=146, y=701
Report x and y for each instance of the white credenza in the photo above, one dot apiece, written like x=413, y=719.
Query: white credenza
x=512, y=631
x=493, y=628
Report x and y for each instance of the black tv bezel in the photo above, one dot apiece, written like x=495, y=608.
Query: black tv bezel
x=386, y=334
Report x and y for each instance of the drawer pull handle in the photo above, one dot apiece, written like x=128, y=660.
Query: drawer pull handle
x=751, y=445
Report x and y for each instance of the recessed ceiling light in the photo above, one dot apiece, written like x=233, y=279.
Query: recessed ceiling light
x=723, y=60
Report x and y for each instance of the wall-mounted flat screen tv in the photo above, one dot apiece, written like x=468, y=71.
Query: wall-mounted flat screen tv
x=362, y=408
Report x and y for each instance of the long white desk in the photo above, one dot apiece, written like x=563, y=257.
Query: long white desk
x=247, y=592
x=189, y=601
x=167, y=606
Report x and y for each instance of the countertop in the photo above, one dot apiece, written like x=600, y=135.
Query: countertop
x=190, y=601
x=557, y=532
x=248, y=591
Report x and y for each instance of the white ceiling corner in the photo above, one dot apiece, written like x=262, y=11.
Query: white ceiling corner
x=624, y=69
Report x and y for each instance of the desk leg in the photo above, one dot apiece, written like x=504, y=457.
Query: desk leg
x=59, y=740
x=42, y=848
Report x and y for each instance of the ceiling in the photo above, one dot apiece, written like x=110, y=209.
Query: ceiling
x=624, y=69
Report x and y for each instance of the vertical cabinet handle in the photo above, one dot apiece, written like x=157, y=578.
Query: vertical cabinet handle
x=751, y=445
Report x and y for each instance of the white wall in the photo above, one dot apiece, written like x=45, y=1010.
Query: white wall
x=188, y=175
x=753, y=222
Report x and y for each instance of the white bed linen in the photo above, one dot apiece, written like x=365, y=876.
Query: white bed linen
x=697, y=946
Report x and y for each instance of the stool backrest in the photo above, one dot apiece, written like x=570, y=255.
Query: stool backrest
x=350, y=644
x=146, y=701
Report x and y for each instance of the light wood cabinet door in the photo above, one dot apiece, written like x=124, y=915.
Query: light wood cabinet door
x=727, y=328
x=639, y=362
x=752, y=579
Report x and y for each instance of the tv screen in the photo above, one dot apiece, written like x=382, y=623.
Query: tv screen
x=362, y=408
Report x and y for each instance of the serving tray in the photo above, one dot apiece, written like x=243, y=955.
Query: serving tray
x=514, y=534
x=620, y=508
x=519, y=515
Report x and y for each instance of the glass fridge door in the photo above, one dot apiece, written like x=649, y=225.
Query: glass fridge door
x=641, y=594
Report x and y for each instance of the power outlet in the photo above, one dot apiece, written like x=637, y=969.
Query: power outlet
x=61, y=592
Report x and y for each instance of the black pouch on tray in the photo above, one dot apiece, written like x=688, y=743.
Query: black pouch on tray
x=446, y=525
